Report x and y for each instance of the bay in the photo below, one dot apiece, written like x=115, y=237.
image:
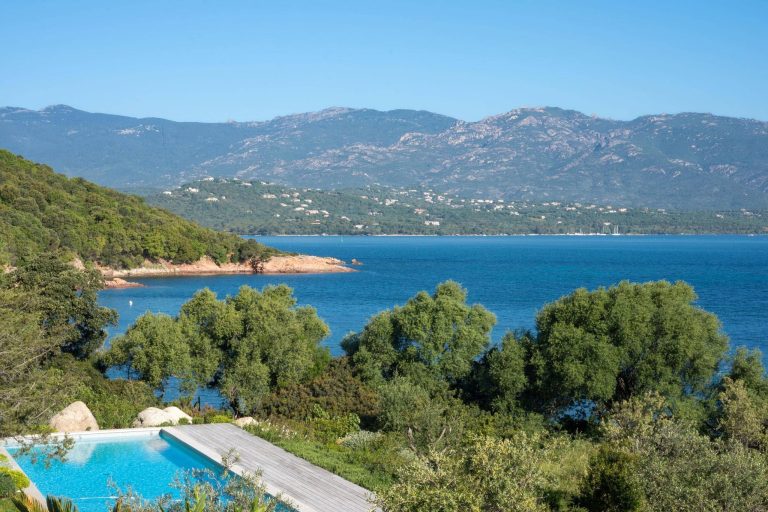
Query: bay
x=511, y=276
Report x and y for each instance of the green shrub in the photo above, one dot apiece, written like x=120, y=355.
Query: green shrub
x=7, y=486
x=372, y=467
x=114, y=403
x=336, y=391
x=611, y=484
x=217, y=418
x=19, y=479
x=330, y=428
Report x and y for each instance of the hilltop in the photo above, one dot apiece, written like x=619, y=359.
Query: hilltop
x=42, y=211
x=120, y=151
x=689, y=161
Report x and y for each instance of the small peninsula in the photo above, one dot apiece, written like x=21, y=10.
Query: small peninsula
x=119, y=235
x=280, y=264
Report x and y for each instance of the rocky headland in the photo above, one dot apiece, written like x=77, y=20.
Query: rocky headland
x=285, y=264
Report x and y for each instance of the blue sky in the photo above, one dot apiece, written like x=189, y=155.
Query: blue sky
x=213, y=61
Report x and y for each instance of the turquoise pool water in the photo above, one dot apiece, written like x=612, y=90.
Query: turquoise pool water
x=147, y=463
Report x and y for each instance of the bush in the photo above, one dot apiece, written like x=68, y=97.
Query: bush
x=19, y=479
x=337, y=391
x=114, y=403
x=7, y=486
x=679, y=469
x=330, y=428
x=489, y=474
x=611, y=484
x=372, y=467
x=217, y=418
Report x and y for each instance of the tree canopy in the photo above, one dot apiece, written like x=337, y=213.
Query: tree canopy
x=49, y=318
x=43, y=212
x=611, y=344
x=66, y=298
x=435, y=336
x=424, y=409
x=29, y=389
x=245, y=345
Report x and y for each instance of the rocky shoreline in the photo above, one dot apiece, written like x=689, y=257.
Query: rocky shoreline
x=291, y=264
x=117, y=282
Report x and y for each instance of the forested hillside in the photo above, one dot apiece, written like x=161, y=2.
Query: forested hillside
x=42, y=211
x=269, y=209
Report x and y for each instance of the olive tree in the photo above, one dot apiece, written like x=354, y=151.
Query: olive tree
x=245, y=345
x=433, y=337
x=153, y=350
x=499, y=378
x=611, y=344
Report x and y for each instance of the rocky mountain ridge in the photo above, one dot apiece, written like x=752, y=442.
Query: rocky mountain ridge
x=684, y=161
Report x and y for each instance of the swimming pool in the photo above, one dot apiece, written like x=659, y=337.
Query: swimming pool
x=147, y=462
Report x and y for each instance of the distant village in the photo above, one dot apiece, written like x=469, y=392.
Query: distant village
x=368, y=209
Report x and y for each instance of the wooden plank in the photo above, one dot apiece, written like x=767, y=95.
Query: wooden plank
x=309, y=487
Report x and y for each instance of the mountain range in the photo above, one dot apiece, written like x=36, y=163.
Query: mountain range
x=681, y=161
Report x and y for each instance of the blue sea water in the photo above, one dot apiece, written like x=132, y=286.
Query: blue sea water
x=511, y=276
x=94, y=468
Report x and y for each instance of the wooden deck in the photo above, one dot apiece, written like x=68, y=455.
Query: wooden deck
x=310, y=488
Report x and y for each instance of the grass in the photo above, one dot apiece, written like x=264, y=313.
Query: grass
x=371, y=467
x=7, y=506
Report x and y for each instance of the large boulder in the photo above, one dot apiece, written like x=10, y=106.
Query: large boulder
x=245, y=422
x=154, y=417
x=177, y=415
x=76, y=417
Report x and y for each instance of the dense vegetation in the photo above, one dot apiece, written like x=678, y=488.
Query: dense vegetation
x=41, y=212
x=51, y=326
x=621, y=399
x=244, y=346
x=259, y=209
x=624, y=398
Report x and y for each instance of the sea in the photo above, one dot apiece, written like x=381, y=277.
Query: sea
x=512, y=276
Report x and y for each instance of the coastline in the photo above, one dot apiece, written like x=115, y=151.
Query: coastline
x=498, y=235
x=292, y=264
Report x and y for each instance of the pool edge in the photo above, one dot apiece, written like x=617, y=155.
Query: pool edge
x=211, y=454
x=31, y=490
x=13, y=441
x=174, y=433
